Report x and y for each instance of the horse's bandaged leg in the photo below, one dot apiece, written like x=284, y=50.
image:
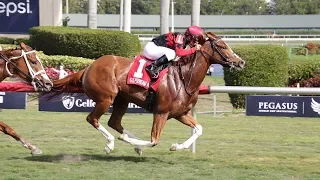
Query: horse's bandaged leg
x=135, y=142
x=110, y=145
x=105, y=133
x=137, y=148
x=129, y=134
x=192, y=139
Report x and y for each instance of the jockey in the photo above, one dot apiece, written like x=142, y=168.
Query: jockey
x=166, y=47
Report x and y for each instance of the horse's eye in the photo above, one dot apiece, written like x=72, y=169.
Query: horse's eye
x=34, y=62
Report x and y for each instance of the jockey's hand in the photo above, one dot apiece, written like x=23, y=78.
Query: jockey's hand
x=198, y=46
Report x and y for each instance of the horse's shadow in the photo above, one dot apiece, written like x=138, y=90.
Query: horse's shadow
x=70, y=158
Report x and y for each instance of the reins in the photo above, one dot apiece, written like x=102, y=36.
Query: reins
x=190, y=77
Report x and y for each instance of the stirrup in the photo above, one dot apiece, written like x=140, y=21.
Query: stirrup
x=152, y=74
x=150, y=69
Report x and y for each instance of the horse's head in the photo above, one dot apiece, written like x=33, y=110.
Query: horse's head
x=219, y=52
x=24, y=63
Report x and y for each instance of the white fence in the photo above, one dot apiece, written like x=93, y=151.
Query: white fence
x=264, y=90
x=227, y=36
x=255, y=90
x=256, y=39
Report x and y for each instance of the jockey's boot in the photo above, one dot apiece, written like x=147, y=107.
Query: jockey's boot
x=152, y=69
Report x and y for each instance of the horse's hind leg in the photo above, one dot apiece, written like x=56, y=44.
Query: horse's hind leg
x=191, y=122
x=9, y=131
x=159, y=121
x=93, y=119
x=120, y=106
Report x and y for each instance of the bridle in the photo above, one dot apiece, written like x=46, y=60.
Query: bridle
x=226, y=61
x=33, y=75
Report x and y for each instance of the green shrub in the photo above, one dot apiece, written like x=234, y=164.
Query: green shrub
x=303, y=70
x=73, y=63
x=6, y=40
x=69, y=62
x=266, y=66
x=81, y=42
x=8, y=46
x=24, y=40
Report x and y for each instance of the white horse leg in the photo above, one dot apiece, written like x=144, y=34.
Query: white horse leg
x=192, y=139
x=137, y=149
x=134, y=141
x=110, y=145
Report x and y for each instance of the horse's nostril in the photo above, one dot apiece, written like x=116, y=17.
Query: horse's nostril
x=242, y=62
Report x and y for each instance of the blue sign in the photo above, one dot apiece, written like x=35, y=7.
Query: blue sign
x=290, y=106
x=13, y=100
x=18, y=16
x=75, y=103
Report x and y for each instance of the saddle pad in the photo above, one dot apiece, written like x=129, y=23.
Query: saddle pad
x=139, y=76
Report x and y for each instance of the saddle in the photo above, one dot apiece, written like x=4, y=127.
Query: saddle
x=137, y=75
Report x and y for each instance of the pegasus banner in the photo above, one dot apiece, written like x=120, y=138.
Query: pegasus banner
x=289, y=106
x=18, y=16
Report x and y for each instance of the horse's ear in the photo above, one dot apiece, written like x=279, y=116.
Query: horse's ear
x=202, y=39
x=25, y=47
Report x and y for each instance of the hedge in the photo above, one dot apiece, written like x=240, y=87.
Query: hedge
x=6, y=40
x=82, y=42
x=73, y=63
x=303, y=70
x=266, y=65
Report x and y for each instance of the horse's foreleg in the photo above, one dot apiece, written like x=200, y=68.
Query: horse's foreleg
x=6, y=129
x=191, y=122
x=93, y=119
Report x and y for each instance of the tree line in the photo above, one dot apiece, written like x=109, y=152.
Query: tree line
x=208, y=7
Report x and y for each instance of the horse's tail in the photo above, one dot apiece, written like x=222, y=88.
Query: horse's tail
x=70, y=84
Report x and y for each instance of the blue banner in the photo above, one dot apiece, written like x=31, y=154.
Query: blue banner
x=75, y=103
x=18, y=16
x=289, y=106
x=13, y=100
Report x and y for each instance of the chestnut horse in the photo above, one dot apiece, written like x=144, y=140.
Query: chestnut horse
x=23, y=63
x=104, y=81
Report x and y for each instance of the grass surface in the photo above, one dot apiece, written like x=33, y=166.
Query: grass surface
x=231, y=147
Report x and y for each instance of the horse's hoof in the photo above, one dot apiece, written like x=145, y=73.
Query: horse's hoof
x=109, y=147
x=123, y=137
x=138, y=150
x=36, y=152
x=174, y=147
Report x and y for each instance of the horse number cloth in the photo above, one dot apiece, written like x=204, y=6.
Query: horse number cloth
x=139, y=76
